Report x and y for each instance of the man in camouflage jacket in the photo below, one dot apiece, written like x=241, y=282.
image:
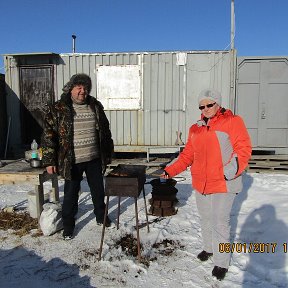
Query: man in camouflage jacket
x=64, y=150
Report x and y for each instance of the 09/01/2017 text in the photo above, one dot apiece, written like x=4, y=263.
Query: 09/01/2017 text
x=251, y=247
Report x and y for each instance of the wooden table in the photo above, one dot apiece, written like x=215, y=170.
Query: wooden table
x=19, y=171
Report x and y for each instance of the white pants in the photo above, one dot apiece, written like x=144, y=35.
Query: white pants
x=214, y=211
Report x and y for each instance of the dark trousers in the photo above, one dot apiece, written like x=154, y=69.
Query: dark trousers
x=93, y=171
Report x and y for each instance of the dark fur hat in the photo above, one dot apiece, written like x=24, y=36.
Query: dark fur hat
x=78, y=79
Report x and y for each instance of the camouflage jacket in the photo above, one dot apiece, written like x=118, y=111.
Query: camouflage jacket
x=57, y=136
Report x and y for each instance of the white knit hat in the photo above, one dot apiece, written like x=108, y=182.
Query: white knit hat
x=210, y=94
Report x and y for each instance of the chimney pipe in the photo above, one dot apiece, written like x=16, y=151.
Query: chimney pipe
x=73, y=43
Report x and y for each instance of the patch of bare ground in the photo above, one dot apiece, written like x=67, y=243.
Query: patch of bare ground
x=166, y=247
x=21, y=222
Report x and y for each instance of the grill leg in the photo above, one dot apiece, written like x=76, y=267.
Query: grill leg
x=137, y=228
x=103, y=228
x=118, y=215
x=144, y=197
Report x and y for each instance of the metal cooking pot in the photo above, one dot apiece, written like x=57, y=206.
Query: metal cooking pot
x=35, y=163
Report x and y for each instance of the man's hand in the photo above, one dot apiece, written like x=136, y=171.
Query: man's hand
x=51, y=169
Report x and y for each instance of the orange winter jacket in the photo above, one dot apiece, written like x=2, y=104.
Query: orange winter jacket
x=217, y=151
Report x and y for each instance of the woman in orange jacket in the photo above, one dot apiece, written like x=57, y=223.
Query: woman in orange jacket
x=218, y=150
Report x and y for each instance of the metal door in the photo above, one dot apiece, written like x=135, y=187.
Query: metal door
x=3, y=116
x=262, y=99
x=36, y=89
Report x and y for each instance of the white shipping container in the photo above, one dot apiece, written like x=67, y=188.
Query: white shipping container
x=150, y=98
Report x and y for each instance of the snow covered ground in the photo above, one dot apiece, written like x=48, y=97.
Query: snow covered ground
x=259, y=229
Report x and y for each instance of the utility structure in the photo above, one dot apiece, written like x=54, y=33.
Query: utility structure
x=232, y=24
x=233, y=57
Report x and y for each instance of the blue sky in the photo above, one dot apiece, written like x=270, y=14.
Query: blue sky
x=142, y=25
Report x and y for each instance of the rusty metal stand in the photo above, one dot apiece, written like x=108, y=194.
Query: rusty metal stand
x=118, y=216
x=146, y=211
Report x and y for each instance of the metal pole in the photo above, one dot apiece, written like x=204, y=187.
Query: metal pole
x=233, y=60
x=137, y=228
x=103, y=228
x=232, y=24
x=73, y=43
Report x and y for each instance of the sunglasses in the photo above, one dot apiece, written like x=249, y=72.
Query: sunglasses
x=208, y=106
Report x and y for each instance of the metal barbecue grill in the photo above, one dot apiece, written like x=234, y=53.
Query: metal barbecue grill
x=125, y=181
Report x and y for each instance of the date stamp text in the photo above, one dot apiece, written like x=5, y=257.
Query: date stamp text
x=252, y=247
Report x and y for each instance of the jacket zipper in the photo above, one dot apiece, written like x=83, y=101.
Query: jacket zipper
x=207, y=130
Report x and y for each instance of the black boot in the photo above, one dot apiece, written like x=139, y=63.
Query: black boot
x=204, y=256
x=100, y=221
x=67, y=235
x=219, y=272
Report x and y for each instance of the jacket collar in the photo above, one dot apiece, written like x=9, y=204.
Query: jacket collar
x=220, y=113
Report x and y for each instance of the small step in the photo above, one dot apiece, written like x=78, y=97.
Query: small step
x=268, y=169
x=268, y=164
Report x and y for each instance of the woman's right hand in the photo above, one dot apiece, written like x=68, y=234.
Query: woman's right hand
x=51, y=169
x=165, y=175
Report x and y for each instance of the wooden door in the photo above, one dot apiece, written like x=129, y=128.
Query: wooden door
x=36, y=89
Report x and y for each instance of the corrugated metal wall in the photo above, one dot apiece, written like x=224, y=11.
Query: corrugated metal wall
x=169, y=90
